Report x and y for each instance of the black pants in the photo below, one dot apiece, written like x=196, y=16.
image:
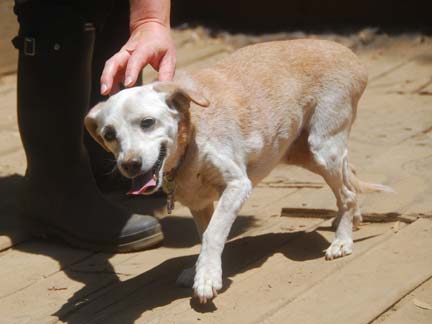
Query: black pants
x=44, y=22
x=110, y=18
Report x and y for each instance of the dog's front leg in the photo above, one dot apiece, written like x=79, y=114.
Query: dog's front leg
x=202, y=219
x=208, y=277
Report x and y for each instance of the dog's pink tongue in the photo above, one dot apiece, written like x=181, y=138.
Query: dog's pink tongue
x=141, y=183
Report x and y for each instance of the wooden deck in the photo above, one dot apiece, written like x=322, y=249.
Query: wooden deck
x=274, y=270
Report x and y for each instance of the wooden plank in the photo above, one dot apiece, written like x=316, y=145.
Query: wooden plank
x=416, y=308
x=263, y=286
x=154, y=292
x=34, y=261
x=367, y=217
x=289, y=264
x=390, y=276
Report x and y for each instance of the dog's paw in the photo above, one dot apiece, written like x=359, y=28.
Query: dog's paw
x=208, y=281
x=339, y=248
x=186, y=278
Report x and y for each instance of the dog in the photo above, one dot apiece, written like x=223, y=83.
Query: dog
x=213, y=134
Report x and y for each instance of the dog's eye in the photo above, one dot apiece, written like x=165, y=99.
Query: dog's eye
x=146, y=123
x=109, y=134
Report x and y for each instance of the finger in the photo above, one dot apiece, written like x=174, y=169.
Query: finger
x=115, y=88
x=137, y=61
x=111, y=69
x=167, y=66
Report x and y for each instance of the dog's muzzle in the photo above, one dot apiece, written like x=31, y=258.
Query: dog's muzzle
x=146, y=182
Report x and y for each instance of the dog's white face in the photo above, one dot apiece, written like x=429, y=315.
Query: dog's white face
x=139, y=126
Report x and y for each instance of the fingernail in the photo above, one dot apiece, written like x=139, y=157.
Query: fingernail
x=103, y=88
x=128, y=81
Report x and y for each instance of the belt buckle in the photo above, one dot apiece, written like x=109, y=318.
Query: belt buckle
x=29, y=46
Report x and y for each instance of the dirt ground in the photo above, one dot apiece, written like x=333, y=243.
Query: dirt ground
x=274, y=270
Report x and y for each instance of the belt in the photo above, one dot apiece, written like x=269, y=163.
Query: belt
x=32, y=45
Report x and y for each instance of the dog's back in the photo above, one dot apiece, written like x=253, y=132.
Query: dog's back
x=265, y=96
x=306, y=67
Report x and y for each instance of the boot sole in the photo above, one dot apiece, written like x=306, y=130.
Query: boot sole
x=36, y=229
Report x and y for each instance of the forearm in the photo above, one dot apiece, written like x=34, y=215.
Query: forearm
x=143, y=11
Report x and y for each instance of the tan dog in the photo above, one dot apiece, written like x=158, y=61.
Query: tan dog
x=291, y=102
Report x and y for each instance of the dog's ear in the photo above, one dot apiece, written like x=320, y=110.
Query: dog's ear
x=91, y=124
x=179, y=97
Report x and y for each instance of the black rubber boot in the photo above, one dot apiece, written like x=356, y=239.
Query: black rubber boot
x=60, y=197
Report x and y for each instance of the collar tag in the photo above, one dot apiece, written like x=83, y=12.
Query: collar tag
x=169, y=186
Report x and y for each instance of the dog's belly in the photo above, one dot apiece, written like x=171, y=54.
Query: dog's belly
x=257, y=172
x=273, y=147
x=258, y=169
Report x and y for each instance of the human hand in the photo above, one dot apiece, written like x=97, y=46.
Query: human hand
x=149, y=43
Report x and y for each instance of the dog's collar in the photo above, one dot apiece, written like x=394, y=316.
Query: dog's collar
x=168, y=186
x=168, y=180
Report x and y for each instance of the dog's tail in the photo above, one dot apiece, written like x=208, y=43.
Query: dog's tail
x=366, y=187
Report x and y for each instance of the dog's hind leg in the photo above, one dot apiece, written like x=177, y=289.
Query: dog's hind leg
x=202, y=219
x=327, y=141
x=332, y=158
x=301, y=155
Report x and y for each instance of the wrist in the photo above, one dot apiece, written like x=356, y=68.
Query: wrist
x=150, y=23
x=149, y=12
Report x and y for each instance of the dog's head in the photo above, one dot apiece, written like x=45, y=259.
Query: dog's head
x=140, y=127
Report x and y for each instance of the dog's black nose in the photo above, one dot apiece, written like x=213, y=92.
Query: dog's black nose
x=132, y=166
